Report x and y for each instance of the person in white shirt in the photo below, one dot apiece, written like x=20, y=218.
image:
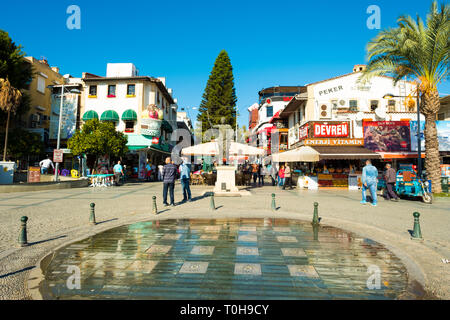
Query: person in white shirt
x=160, y=172
x=45, y=165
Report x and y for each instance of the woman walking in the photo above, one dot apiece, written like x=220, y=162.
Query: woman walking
x=281, y=176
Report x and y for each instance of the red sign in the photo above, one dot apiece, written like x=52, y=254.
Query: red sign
x=303, y=132
x=34, y=174
x=155, y=140
x=331, y=130
x=57, y=156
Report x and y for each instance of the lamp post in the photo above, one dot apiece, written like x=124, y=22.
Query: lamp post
x=419, y=146
x=58, y=141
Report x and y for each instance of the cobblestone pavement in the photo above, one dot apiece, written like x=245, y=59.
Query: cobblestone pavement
x=61, y=216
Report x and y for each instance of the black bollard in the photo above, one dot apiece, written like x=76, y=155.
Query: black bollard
x=417, y=234
x=23, y=232
x=212, y=205
x=92, y=215
x=155, y=208
x=316, y=214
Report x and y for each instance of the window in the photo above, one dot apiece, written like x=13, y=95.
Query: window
x=112, y=91
x=131, y=90
x=441, y=116
x=40, y=84
x=373, y=105
x=92, y=91
x=129, y=126
x=269, y=111
x=157, y=96
x=353, y=105
x=391, y=106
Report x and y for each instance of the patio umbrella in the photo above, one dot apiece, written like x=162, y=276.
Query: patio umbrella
x=303, y=154
x=204, y=149
x=244, y=150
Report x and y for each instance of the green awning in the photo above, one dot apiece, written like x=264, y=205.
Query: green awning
x=89, y=115
x=166, y=126
x=129, y=115
x=109, y=115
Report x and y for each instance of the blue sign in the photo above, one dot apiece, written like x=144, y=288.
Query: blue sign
x=443, y=132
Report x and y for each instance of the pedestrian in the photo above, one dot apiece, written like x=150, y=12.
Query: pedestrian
x=287, y=177
x=169, y=175
x=160, y=172
x=369, y=181
x=281, y=176
x=261, y=175
x=255, y=173
x=118, y=172
x=45, y=165
x=390, y=177
x=185, y=176
x=148, y=171
x=273, y=174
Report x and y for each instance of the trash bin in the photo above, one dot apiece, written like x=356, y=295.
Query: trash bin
x=444, y=184
x=6, y=172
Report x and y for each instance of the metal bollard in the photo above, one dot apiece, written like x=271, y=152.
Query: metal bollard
x=417, y=234
x=212, y=205
x=316, y=231
x=23, y=232
x=316, y=214
x=155, y=208
x=92, y=215
x=274, y=206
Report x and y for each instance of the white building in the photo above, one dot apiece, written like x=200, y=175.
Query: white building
x=344, y=98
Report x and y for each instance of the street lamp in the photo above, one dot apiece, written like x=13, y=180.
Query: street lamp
x=58, y=141
x=419, y=146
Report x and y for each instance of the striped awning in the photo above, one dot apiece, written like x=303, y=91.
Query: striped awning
x=89, y=115
x=129, y=115
x=109, y=115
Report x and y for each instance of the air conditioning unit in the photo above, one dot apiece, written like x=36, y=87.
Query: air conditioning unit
x=342, y=104
x=35, y=117
x=324, y=111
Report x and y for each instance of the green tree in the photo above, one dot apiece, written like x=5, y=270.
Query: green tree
x=219, y=98
x=417, y=51
x=23, y=143
x=98, y=138
x=14, y=67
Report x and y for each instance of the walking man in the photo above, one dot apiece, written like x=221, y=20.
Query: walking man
x=118, y=172
x=45, y=165
x=390, y=176
x=369, y=181
x=185, y=176
x=288, y=177
x=169, y=175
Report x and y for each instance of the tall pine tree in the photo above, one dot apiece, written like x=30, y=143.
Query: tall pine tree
x=219, y=99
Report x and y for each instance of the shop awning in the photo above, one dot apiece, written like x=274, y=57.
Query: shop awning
x=400, y=155
x=109, y=115
x=302, y=154
x=89, y=115
x=138, y=141
x=129, y=115
x=345, y=153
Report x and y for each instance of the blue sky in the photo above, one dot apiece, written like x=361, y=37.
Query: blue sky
x=269, y=42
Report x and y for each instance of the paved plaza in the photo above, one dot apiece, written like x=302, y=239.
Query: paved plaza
x=60, y=217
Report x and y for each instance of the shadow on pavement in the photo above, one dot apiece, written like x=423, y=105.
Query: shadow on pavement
x=42, y=241
x=16, y=272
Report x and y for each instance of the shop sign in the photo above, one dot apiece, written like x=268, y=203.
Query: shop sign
x=333, y=142
x=331, y=130
x=34, y=174
x=303, y=132
x=331, y=90
x=387, y=136
x=151, y=127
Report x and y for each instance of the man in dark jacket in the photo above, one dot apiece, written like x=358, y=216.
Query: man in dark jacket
x=169, y=176
x=390, y=176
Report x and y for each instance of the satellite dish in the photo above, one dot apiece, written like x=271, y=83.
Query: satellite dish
x=359, y=116
x=380, y=112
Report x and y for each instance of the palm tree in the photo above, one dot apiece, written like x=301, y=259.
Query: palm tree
x=9, y=101
x=417, y=51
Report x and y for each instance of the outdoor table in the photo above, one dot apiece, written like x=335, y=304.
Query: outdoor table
x=100, y=180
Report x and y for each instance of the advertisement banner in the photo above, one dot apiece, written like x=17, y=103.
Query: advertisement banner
x=151, y=127
x=303, y=132
x=443, y=132
x=387, y=136
x=68, y=119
